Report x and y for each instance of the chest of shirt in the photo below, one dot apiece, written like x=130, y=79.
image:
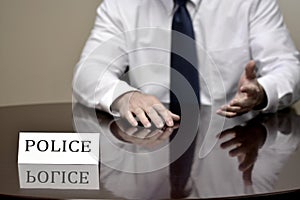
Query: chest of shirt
x=221, y=32
x=218, y=25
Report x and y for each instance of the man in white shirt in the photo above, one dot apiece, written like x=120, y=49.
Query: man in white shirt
x=247, y=58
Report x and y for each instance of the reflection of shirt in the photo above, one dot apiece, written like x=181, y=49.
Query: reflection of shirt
x=228, y=34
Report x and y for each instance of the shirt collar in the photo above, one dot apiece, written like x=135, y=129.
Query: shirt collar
x=196, y=2
x=169, y=5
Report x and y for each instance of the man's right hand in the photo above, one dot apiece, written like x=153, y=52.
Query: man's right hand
x=144, y=107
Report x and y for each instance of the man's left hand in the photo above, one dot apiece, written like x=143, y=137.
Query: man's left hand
x=250, y=95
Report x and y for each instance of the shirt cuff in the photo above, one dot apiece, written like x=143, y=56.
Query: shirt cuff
x=112, y=94
x=269, y=85
x=272, y=130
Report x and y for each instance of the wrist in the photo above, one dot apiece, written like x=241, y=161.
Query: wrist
x=262, y=99
x=121, y=100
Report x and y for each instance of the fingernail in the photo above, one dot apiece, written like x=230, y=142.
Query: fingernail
x=160, y=125
x=134, y=130
x=170, y=123
x=148, y=125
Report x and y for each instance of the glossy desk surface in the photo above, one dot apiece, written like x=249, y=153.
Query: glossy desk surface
x=242, y=157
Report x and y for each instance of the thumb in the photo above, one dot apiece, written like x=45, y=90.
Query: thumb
x=250, y=70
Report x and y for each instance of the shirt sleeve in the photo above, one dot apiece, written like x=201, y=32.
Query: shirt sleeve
x=275, y=54
x=104, y=60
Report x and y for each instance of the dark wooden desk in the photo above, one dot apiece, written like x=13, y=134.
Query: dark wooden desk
x=273, y=171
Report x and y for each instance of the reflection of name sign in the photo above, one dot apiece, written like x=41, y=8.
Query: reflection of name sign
x=59, y=176
x=58, y=148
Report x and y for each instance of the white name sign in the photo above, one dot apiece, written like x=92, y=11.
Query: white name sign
x=58, y=148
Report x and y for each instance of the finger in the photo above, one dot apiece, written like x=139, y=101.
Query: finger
x=166, y=134
x=237, y=151
x=155, y=118
x=131, y=119
x=243, y=111
x=226, y=114
x=131, y=130
x=247, y=176
x=230, y=143
x=241, y=157
x=229, y=132
x=154, y=134
x=129, y=138
x=244, y=104
x=244, y=108
x=250, y=70
x=247, y=163
x=174, y=116
x=142, y=133
x=164, y=113
x=142, y=117
x=230, y=108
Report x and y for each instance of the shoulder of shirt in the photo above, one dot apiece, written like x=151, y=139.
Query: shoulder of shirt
x=251, y=4
x=123, y=3
x=248, y=1
x=255, y=2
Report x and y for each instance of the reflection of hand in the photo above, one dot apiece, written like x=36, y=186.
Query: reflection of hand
x=144, y=106
x=250, y=95
x=244, y=145
x=141, y=136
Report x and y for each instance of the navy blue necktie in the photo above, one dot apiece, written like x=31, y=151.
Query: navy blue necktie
x=186, y=63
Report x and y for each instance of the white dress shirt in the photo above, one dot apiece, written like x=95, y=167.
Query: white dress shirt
x=134, y=36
